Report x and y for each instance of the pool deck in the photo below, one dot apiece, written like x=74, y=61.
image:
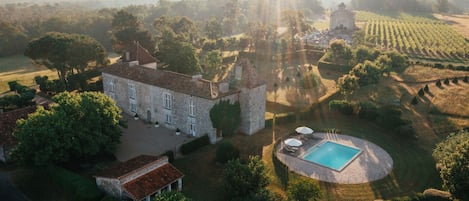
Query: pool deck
x=372, y=164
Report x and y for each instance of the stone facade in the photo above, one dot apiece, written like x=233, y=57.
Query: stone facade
x=180, y=101
x=342, y=18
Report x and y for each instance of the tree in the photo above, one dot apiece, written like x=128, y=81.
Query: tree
x=79, y=127
x=171, y=196
x=348, y=84
x=244, y=179
x=231, y=14
x=339, y=52
x=452, y=157
x=442, y=6
x=64, y=52
x=12, y=38
x=438, y=83
x=226, y=151
x=213, y=59
x=303, y=190
x=179, y=56
x=213, y=29
x=368, y=73
x=126, y=29
x=225, y=116
x=421, y=92
x=295, y=21
x=385, y=63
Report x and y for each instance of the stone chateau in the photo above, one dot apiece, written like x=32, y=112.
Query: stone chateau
x=181, y=101
x=342, y=18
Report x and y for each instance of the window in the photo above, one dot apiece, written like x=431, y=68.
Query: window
x=168, y=101
x=133, y=106
x=191, y=107
x=132, y=92
x=168, y=119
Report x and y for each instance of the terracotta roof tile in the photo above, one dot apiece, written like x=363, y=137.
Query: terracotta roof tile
x=166, y=79
x=8, y=123
x=127, y=167
x=151, y=182
x=144, y=57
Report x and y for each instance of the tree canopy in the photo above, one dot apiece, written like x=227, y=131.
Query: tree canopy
x=180, y=56
x=452, y=157
x=64, y=52
x=225, y=116
x=79, y=127
x=304, y=190
x=126, y=29
x=243, y=180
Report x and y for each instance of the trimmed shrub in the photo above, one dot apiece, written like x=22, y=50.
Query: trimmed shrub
x=389, y=117
x=426, y=89
x=438, y=83
x=226, y=151
x=421, y=92
x=191, y=146
x=414, y=101
x=170, y=155
x=342, y=106
x=465, y=79
x=368, y=111
x=12, y=85
x=446, y=81
x=455, y=80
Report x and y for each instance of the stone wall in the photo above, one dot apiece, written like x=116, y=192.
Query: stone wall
x=252, y=109
x=342, y=17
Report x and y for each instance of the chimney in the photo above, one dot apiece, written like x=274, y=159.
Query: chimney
x=127, y=56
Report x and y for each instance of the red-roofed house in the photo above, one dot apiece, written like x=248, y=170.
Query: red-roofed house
x=140, y=178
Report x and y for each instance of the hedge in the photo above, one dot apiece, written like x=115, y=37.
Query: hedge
x=191, y=146
x=342, y=106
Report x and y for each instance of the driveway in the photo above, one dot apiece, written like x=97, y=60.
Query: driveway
x=143, y=138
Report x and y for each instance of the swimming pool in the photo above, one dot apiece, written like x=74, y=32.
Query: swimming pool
x=331, y=155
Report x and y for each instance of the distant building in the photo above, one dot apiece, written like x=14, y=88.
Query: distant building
x=140, y=178
x=342, y=18
x=181, y=101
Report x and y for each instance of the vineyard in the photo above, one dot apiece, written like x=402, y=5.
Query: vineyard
x=418, y=37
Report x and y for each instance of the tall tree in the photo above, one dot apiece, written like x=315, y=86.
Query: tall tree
x=179, y=56
x=12, y=39
x=225, y=116
x=295, y=21
x=231, y=14
x=442, y=6
x=79, y=127
x=213, y=29
x=126, y=29
x=452, y=157
x=64, y=52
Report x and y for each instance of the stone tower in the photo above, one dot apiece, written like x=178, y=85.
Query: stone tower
x=252, y=97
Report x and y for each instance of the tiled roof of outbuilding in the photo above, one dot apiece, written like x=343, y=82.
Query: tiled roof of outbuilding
x=127, y=167
x=8, y=123
x=152, y=181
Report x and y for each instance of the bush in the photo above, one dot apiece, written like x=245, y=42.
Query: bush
x=310, y=81
x=426, y=89
x=304, y=190
x=438, y=83
x=406, y=131
x=414, y=101
x=421, y=92
x=342, y=106
x=12, y=85
x=367, y=111
x=170, y=155
x=226, y=151
x=389, y=117
x=191, y=146
x=455, y=80
x=446, y=81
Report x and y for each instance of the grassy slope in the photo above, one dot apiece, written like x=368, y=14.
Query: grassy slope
x=21, y=69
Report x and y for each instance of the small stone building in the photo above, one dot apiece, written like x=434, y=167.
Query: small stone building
x=342, y=18
x=140, y=178
x=176, y=100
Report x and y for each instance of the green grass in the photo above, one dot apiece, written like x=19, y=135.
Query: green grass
x=414, y=168
x=20, y=68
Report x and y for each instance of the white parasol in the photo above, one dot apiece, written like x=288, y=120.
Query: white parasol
x=304, y=130
x=293, y=142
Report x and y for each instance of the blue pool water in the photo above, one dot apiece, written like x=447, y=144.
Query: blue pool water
x=331, y=155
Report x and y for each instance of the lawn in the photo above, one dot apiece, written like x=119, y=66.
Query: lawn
x=414, y=168
x=20, y=68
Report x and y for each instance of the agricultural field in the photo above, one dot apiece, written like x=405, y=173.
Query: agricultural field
x=418, y=37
